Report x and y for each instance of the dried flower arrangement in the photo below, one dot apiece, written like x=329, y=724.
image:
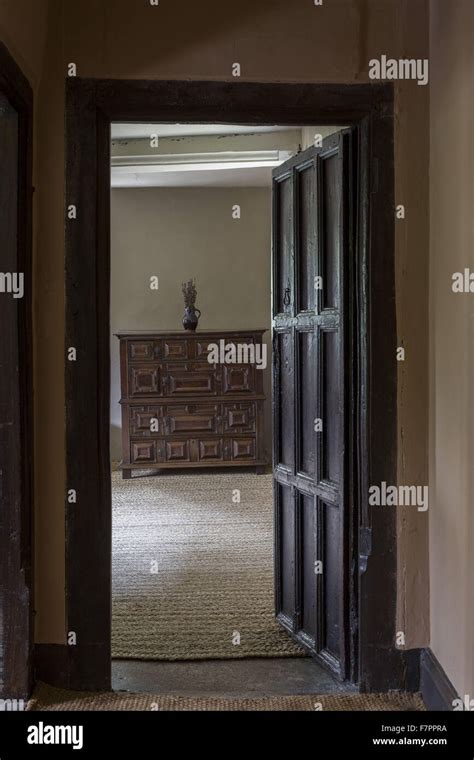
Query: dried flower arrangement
x=189, y=293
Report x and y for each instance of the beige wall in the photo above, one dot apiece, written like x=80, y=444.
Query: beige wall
x=273, y=40
x=23, y=30
x=30, y=29
x=179, y=233
x=452, y=341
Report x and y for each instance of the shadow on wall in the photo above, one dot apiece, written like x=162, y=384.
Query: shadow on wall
x=211, y=37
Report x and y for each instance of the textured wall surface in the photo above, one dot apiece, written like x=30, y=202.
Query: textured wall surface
x=452, y=341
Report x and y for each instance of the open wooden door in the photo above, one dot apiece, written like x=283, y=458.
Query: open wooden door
x=312, y=252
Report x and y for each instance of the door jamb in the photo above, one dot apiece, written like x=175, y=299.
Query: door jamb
x=16, y=538
x=91, y=105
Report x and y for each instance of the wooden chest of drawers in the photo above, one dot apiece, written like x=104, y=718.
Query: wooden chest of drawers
x=179, y=410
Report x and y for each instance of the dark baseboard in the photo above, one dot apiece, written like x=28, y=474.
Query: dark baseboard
x=395, y=670
x=436, y=689
x=68, y=667
x=411, y=669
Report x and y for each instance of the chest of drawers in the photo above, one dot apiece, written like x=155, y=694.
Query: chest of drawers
x=179, y=410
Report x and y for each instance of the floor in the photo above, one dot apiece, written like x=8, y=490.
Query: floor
x=192, y=569
x=59, y=700
x=194, y=552
x=226, y=678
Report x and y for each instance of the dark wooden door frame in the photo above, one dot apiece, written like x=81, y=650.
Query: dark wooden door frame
x=16, y=550
x=91, y=106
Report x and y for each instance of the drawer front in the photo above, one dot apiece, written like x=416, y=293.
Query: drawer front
x=238, y=378
x=192, y=418
x=177, y=451
x=193, y=379
x=210, y=450
x=239, y=418
x=177, y=349
x=201, y=349
x=232, y=348
x=145, y=380
x=140, y=420
x=243, y=449
x=143, y=452
x=143, y=350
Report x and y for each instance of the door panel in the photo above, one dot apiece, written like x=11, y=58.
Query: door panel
x=285, y=534
x=330, y=190
x=330, y=531
x=330, y=391
x=284, y=401
x=307, y=402
x=309, y=575
x=311, y=201
x=283, y=227
x=306, y=182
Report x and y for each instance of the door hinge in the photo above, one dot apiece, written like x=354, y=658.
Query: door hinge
x=365, y=547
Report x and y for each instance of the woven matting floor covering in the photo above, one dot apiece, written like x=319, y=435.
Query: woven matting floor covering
x=192, y=568
x=48, y=698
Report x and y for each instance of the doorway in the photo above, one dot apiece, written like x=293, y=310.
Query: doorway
x=192, y=549
x=366, y=604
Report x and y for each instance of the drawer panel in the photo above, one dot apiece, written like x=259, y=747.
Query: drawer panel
x=243, y=448
x=239, y=418
x=143, y=350
x=201, y=348
x=210, y=450
x=143, y=452
x=177, y=349
x=193, y=379
x=238, y=378
x=145, y=380
x=192, y=418
x=177, y=451
x=239, y=352
x=140, y=418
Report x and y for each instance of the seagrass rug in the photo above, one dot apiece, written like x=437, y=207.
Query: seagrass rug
x=48, y=698
x=192, y=568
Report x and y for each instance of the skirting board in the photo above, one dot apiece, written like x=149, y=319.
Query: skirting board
x=403, y=670
x=436, y=689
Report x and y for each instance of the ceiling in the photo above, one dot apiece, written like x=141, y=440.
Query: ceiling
x=137, y=131
x=252, y=177
x=202, y=155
